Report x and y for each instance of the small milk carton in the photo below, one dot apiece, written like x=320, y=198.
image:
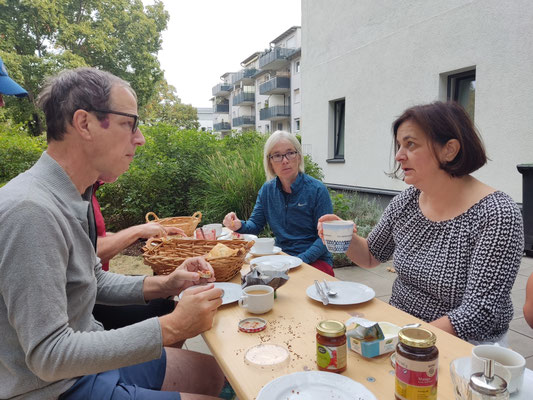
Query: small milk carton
x=371, y=339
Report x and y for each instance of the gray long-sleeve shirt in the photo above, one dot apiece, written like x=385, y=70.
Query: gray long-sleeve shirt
x=50, y=279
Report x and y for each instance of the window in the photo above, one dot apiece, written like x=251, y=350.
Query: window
x=338, y=129
x=280, y=126
x=296, y=95
x=297, y=124
x=462, y=89
x=297, y=67
x=267, y=128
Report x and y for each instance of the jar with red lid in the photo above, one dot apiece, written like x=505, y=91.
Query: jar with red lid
x=331, y=346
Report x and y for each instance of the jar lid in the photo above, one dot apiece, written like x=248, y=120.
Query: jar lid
x=331, y=328
x=250, y=325
x=267, y=355
x=417, y=337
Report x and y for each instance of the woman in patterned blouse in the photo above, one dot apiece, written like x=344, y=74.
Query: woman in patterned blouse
x=455, y=241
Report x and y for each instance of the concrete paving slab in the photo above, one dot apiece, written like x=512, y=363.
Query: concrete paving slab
x=198, y=344
x=520, y=325
x=520, y=343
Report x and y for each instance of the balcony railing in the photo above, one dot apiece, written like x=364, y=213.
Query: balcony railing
x=244, y=98
x=221, y=108
x=275, y=58
x=278, y=84
x=246, y=120
x=244, y=75
x=221, y=126
x=222, y=89
x=275, y=112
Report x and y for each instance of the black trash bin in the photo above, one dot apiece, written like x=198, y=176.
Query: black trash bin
x=527, y=205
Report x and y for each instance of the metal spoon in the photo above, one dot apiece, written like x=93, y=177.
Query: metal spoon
x=329, y=291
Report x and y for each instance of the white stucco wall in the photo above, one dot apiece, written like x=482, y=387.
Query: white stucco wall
x=384, y=56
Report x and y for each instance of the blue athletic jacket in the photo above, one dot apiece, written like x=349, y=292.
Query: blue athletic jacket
x=293, y=216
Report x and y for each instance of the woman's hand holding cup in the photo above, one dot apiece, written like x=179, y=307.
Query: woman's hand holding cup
x=336, y=233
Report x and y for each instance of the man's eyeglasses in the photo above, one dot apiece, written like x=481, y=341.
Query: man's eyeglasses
x=290, y=155
x=135, y=117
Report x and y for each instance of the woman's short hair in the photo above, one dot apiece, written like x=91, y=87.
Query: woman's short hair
x=271, y=142
x=441, y=122
x=77, y=89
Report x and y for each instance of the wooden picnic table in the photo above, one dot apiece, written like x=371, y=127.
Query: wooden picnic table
x=292, y=323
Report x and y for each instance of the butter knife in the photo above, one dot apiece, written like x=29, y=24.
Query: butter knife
x=321, y=293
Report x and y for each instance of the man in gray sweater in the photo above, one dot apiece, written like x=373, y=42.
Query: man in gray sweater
x=50, y=277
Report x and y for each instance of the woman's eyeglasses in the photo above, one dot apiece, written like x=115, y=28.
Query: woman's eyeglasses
x=290, y=155
x=135, y=117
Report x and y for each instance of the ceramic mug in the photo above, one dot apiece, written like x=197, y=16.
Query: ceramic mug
x=337, y=235
x=264, y=245
x=257, y=299
x=505, y=358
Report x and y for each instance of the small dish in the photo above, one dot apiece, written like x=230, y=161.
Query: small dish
x=267, y=356
x=275, y=250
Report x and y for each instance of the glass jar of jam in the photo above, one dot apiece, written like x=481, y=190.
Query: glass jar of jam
x=417, y=360
x=331, y=346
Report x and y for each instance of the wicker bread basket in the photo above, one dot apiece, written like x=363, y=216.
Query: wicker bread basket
x=187, y=224
x=164, y=255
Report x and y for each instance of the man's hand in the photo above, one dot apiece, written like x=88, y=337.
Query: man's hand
x=193, y=315
x=154, y=229
x=188, y=274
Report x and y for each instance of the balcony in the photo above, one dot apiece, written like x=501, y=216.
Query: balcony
x=246, y=120
x=244, y=99
x=221, y=127
x=276, y=85
x=275, y=58
x=222, y=89
x=245, y=76
x=275, y=113
x=221, y=108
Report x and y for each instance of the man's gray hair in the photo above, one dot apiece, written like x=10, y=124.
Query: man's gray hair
x=77, y=89
x=271, y=142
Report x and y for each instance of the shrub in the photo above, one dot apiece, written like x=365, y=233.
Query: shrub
x=18, y=151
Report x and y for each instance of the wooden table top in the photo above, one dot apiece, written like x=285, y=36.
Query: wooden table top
x=292, y=323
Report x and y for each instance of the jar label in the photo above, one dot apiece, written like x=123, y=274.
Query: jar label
x=416, y=379
x=331, y=357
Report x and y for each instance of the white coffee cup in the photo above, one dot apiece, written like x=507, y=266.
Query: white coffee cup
x=257, y=299
x=264, y=245
x=216, y=227
x=337, y=235
x=505, y=358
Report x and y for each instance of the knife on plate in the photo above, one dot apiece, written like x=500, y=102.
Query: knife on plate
x=321, y=293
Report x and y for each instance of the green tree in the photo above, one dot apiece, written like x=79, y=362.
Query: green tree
x=165, y=106
x=41, y=37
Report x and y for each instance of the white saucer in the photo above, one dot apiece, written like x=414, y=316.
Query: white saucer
x=276, y=261
x=232, y=292
x=275, y=250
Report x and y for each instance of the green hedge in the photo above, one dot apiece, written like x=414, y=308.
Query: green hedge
x=18, y=151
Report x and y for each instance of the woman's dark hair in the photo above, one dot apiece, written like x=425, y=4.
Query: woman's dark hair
x=442, y=122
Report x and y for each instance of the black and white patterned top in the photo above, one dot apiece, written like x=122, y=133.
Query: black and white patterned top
x=464, y=267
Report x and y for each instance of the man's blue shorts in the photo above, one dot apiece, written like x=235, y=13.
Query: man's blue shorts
x=137, y=382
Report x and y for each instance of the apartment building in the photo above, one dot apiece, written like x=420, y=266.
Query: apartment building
x=265, y=94
x=366, y=62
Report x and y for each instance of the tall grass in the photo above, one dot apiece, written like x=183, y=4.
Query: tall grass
x=230, y=181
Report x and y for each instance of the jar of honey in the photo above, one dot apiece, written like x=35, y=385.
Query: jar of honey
x=417, y=360
x=331, y=346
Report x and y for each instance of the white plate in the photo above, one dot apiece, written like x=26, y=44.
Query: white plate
x=314, y=385
x=347, y=292
x=275, y=250
x=232, y=292
x=245, y=236
x=278, y=261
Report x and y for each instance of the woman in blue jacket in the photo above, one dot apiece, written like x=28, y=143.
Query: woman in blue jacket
x=291, y=202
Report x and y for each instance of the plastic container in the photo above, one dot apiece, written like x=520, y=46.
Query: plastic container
x=375, y=348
